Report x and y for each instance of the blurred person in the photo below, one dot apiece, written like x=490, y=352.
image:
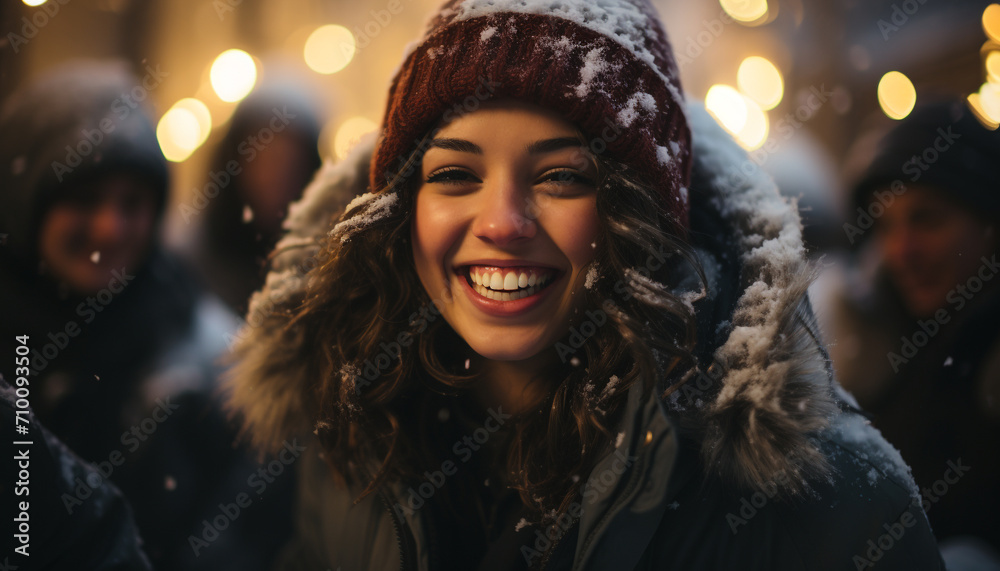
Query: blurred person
x=41, y=533
x=559, y=326
x=272, y=147
x=123, y=344
x=915, y=320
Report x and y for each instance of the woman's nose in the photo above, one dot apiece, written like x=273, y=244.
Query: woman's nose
x=504, y=213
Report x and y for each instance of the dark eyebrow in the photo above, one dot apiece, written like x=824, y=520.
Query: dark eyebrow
x=550, y=145
x=460, y=145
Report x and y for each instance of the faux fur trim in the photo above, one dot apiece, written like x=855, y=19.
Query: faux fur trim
x=267, y=383
x=775, y=391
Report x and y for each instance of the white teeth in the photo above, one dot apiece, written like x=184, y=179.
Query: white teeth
x=514, y=285
x=510, y=281
x=504, y=295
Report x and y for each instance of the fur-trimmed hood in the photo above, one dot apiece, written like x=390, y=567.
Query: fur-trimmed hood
x=768, y=390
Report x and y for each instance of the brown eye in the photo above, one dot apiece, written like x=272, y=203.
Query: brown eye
x=566, y=182
x=566, y=176
x=451, y=176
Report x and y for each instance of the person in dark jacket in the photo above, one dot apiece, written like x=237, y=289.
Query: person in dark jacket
x=40, y=532
x=917, y=340
x=566, y=327
x=123, y=346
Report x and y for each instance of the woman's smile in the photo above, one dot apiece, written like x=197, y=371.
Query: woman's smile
x=507, y=290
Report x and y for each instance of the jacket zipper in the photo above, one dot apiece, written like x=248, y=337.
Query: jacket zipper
x=404, y=537
x=552, y=548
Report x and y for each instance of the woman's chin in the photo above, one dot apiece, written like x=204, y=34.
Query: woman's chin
x=506, y=351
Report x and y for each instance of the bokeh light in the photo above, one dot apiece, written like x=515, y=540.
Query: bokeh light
x=993, y=66
x=986, y=105
x=178, y=133
x=761, y=81
x=745, y=11
x=991, y=22
x=350, y=132
x=727, y=106
x=329, y=49
x=233, y=75
x=201, y=113
x=755, y=130
x=33, y=3
x=896, y=95
x=183, y=128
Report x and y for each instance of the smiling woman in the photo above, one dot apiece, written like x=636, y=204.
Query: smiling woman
x=527, y=343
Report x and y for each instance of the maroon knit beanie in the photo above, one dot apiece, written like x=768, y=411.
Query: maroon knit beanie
x=604, y=65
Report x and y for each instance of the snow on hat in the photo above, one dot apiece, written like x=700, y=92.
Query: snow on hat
x=605, y=65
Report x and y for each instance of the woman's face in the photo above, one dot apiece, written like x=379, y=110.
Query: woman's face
x=505, y=226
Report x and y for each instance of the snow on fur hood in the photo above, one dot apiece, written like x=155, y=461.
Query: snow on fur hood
x=771, y=388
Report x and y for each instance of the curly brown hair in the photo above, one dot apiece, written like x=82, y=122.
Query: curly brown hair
x=366, y=294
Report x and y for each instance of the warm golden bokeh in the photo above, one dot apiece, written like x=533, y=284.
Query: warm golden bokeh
x=745, y=11
x=234, y=73
x=896, y=95
x=760, y=79
x=329, y=49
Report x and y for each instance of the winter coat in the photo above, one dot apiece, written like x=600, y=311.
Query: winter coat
x=39, y=472
x=769, y=408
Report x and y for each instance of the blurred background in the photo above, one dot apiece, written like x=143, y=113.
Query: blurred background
x=802, y=82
